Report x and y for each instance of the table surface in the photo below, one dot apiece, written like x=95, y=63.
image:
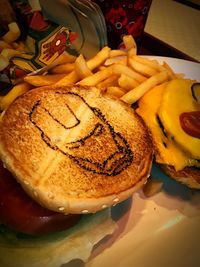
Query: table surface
x=149, y=45
x=175, y=27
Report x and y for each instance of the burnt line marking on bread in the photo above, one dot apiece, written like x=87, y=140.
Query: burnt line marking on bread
x=97, y=130
x=116, y=160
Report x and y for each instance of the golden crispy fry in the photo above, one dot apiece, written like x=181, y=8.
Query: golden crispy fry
x=133, y=95
x=65, y=58
x=43, y=80
x=110, y=81
x=9, y=52
x=62, y=68
x=68, y=79
x=92, y=63
x=13, y=33
x=100, y=68
x=117, y=53
x=81, y=67
x=119, y=60
x=180, y=75
x=99, y=58
x=132, y=52
x=16, y=91
x=121, y=73
x=13, y=27
x=127, y=82
x=145, y=61
x=129, y=42
x=121, y=69
x=141, y=68
x=171, y=73
x=115, y=91
x=96, y=77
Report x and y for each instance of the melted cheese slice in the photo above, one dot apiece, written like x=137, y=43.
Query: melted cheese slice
x=166, y=151
x=177, y=99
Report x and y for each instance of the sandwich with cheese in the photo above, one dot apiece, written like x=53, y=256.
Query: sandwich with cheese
x=172, y=113
x=73, y=152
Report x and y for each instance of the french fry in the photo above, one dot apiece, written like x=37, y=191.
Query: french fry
x=62, y=68
x=115, y=91
x=180, y=75
x=141, y=68
x=110, y=81
x=145, y=61
x=68, y=79
x=118, y=60
x=117, y=53
x=133, y=95
x=13, y=33
x=13, y=27
x=127, y=82
x=65, y=58
x=16, y=91
x=92, y=63
x=96, y=77
x=43, y=80
x=154, y=64
x=9, y=52
x=119, y=72
x=171, y=73
x=81, y=67
x=132, y=52
x=121, y=69
x=130, y=43
x=102, y=67
x=99, y=58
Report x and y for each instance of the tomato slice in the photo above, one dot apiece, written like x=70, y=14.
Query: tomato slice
x=23, y=214
x=190, y=123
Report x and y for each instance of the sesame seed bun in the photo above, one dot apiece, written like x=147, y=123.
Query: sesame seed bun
x=75, y=149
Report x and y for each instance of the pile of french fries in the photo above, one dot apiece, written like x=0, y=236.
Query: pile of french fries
x=9, y=46
x=121, y=73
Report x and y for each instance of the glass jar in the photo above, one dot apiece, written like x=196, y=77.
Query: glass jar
x=84, y=18
x=46, y=29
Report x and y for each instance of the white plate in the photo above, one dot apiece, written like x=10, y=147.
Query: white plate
x=160, y=231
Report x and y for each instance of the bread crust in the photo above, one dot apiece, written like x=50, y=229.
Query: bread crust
x=75, y=149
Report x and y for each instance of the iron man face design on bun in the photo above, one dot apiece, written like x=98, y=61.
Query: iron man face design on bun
x=79, y=140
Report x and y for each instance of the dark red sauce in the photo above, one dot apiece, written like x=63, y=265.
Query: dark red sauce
x=190, y=123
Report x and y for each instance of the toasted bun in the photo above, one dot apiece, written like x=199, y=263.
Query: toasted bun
x=189, y=176
x=74, y=149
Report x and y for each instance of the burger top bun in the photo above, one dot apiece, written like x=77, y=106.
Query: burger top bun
x=75, y=149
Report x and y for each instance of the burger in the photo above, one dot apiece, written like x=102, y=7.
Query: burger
x=68, y=154
x=172, y=113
